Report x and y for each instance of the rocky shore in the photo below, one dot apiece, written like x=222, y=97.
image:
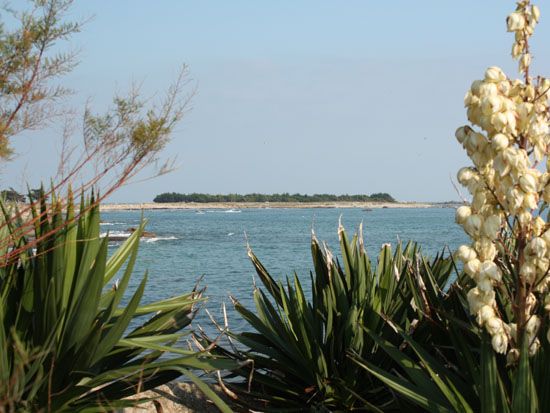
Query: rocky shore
x=178, y=397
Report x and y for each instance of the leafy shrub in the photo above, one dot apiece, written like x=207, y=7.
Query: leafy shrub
x=67, y=343
x=300, y=348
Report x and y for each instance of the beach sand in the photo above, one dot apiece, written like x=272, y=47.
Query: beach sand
x=245, y=205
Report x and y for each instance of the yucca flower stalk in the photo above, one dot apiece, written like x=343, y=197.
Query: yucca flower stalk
x=507, y=141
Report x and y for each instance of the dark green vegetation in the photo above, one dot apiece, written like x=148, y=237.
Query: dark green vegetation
x=12, y=195
x=285, y=197
x=67, y=342
x=304, y=350
x=394, y=335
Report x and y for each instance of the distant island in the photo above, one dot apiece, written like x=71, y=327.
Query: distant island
x=169, y=197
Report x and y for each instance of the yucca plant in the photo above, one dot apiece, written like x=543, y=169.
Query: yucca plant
x=439, y=371
x=457, y=370
x=300, y=346
x=67, y=344
x=508, y=257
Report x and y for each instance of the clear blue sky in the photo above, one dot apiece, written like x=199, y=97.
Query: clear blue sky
x=295, y=96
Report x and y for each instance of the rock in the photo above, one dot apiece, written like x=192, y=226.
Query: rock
x=117, y=237
x=176, y=397
x=144, y=234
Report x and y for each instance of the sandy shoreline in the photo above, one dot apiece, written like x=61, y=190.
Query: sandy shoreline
x=245, y=205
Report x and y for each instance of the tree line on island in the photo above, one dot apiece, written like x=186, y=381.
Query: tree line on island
x=12, y=195
x=284, y=197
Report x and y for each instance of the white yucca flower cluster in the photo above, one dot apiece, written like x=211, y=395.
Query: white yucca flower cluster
x=508, y=143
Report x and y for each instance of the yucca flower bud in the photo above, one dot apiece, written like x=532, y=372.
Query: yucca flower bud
x=500, y=343
x=472, y=267
x=525, y=218
x=491, y=104
x=485, y=249
x=491, y=226
x=530, y=201
x=501, y=165
x=488, y=298
x=485, y=284
x=474, y=142
x=472, y=225
x=542, y=264
x=499, y=121
x=462, y=133
x=474, y=300
x=488, y=89
x=468, y=98
x=528, y=272
x=479, y=200
x=529, y=92
x=524, y=62
x=490, y=270
x=510, y=122
x=536, y=248
x=520, y=38
x=500, y=142
x=514, y=198
x=533, y=325
x=486, y=313
x=475, y=87
x=473, y=115
x=512, y=357
x=524, y=111
x=494, y=74
x=534, y=347
x=530, y=302
x=494, y=326
x=465, y=175
x=514, y=157
x=528, y=183
x=465, y=253
x=515, y=22
x=462, y=213
x=516, y=50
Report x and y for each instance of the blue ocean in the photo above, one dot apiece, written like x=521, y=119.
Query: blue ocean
x=190, y=244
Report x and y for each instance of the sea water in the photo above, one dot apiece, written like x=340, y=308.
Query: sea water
x=190, y=244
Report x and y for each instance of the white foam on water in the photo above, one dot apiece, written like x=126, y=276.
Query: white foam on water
x=117, y=234
x=155, y=239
